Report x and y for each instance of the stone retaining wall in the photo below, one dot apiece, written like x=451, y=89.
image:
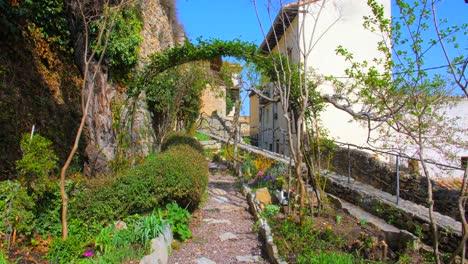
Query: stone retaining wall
x=366, y=168
x=414, y=221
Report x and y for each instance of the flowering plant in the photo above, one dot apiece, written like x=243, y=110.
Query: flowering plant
x=88, y=254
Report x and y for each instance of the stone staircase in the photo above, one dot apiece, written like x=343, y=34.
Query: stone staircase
x=409, y=219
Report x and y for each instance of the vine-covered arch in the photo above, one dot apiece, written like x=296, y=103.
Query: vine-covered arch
x=205, y=50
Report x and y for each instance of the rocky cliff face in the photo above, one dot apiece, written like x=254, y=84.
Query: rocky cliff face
x=106, y=138
x=40, y=85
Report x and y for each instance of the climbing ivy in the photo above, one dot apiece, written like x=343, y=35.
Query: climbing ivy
x=204, y=50
x=122, y=49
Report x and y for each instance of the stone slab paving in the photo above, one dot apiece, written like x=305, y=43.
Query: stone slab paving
x=223, y=227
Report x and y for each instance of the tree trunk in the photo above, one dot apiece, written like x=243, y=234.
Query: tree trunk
x=430, y=201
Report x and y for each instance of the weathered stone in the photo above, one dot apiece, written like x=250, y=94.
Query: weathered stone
x=160, y=248
x=230, y=208
x=204, y=261
x=119, y=225
x=221, y=199
x=413, y=187
x=216, y=221
x=248, y=258
x=404, y=215
x=263, y=196
x=227, y=236
x=219, y=192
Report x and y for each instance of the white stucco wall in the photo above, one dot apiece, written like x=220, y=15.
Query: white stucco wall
x=339, y=23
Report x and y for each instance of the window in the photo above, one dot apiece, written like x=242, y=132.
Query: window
x=464, y=161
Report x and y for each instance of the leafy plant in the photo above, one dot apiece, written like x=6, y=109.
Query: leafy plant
x=178, y=218
x=66, y=251
x=271, y=210
x=16, y=208
x=124, y=41
x=338, y=219
x=326, y=257
x=37, y=163
x=150, y=227
x=363, y=222
x=41, y=13
x=202, y=137
x=104, y=240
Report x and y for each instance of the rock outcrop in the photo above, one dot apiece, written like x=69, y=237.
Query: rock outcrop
x=159, y=30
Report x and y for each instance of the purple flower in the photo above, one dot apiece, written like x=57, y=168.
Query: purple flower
x=88, y=254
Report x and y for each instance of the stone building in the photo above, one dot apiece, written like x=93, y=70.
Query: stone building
x=297, y=28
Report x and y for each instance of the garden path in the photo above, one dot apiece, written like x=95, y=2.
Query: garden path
x=222, y=228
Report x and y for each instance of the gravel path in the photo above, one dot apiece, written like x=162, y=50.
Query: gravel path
x=222, y=228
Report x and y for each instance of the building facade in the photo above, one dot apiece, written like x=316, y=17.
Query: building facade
x=316, y=28
x=309, y=32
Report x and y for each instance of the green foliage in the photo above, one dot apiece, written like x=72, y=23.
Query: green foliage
x=179, y=174
x=178, y=218
x=180, y=138
x=3, y=257
x=184, y=174
x=205, y=50
x=326, y=257
x=248, y=168
x=47, y=210
x=363, y=222
x=138, y=234
x=67, y=251
x=271, y=210
x=41, y=13
x=38, y=162
x=338, y=219
x=124, y=41
x=278, y=169
x=228, y=71
x=202, y=137
x=16, y=208
x=150, y=227
x=173, y=96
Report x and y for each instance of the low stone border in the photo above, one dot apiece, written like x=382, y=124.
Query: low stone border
x=160, y=248
x=264, y=228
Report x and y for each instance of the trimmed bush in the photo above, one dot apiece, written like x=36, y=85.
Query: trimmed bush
x=179, y=138
x=180, y=174
x=183, y=172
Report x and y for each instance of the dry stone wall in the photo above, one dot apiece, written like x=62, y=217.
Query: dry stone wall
x=413, y=187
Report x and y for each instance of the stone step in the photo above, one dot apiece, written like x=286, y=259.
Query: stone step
x=405, y=215
x=394, y=237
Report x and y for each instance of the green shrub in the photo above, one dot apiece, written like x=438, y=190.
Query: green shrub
x=111, y=199
x=37, y=163
x=124, y=41
x=180, y=174
x=202, y=137
x=66, y=251
x=16, y=208
x=178, y=138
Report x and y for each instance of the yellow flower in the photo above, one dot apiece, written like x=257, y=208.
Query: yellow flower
x=329, y=227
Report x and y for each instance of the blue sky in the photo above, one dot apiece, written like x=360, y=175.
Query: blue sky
x=230, y=19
